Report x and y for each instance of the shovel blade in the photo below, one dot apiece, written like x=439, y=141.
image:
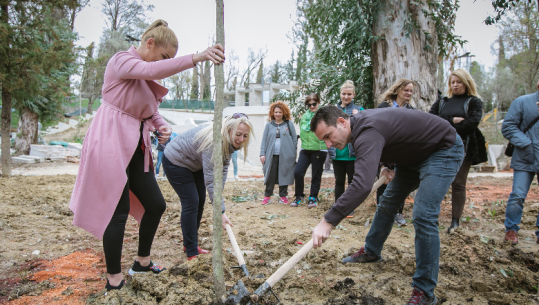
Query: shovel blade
x=237, y=292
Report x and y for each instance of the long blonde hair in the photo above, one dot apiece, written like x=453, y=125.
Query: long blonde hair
x=391, y=93
x=162, y=35
x=228, y=131
x=466, y=79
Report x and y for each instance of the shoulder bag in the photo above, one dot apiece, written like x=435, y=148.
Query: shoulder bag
x=510, y=147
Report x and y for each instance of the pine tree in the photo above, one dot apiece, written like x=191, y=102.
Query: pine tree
x=260, y=73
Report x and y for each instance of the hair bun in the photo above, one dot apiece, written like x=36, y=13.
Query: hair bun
x=156, y=23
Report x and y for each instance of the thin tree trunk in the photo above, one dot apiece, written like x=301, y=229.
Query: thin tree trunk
x=6, y=129
x=397, y=56
x=28, y=131
x=217, y=259
x=91, y=101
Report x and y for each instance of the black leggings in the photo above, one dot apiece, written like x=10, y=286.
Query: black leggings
x=191, y=189
x=144, y=186
x=273, y=178
x=341, y=169
x=306, y=157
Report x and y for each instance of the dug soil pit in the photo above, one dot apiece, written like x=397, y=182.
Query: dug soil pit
x=476, y=266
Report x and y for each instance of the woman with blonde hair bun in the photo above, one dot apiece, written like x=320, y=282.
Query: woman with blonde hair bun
x=463, y=108
x=115, y=176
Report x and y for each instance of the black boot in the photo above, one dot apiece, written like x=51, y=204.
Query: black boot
x=454, y=224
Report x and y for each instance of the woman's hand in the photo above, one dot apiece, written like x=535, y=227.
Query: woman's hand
x=263, y=159
x=165, y=132
x=457, y=120
x=355, y=111
x=388, y=173
x=214, y=53
x=226, y=221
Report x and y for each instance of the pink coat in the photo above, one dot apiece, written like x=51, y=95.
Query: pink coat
x=130, y=95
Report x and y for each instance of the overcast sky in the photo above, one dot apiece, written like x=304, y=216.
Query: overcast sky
x=260, y=24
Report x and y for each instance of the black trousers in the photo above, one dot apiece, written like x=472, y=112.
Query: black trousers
x=144, y=186
x=316, y=158
x=191, y=189
x=273, y=178
x=342, y=169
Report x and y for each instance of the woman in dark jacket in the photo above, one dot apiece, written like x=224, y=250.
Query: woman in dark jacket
x=398, y=95
x=463, y=108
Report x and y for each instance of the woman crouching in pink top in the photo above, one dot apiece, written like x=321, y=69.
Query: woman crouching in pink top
x=114, y=178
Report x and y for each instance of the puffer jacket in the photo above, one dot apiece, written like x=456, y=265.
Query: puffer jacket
x=522, y=112
x=183, y=151
x=309, y=141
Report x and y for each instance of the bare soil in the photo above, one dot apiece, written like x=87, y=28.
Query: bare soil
x=476, y=265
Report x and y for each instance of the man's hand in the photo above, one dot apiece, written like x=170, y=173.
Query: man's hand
x=263, y=159
x=457, y=120
x=321, y=232
x=225, y=221
x=165, y=132
x=390, y=174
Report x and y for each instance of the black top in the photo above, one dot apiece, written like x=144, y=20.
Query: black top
x=388, y=135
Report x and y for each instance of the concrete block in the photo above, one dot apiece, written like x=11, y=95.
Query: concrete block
x=73, y=123
x=35, y=158
x=88, y=116
x=22, y=160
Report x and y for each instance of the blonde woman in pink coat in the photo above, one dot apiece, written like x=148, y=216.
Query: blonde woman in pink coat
x=115, y=178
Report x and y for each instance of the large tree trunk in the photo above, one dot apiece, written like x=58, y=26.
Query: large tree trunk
x=217, y=250
x=28, y=131
x=398, y=55
x=6, y=129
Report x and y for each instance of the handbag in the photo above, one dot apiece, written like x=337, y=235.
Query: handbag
x=510, y=147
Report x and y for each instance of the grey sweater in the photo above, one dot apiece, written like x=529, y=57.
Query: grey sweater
x=182, y=151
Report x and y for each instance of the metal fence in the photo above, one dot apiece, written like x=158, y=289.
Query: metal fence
x=188, y=105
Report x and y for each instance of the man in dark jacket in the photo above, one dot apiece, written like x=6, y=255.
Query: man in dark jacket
x=525, y=160
x=427, y=152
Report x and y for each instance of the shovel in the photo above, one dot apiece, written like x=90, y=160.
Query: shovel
x=275, y=277
x=239, y=290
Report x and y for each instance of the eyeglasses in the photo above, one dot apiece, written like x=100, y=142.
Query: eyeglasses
x=311, y=105
x=238, y=115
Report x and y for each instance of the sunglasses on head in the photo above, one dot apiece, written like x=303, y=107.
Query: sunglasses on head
x=238, y=115
x=311, y=105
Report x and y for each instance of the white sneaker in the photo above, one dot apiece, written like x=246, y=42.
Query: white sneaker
x=399, y=220
x=236, y=177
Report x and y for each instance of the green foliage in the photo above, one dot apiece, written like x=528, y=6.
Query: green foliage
x=501, y=7
x=38, y=55
x=260, y=72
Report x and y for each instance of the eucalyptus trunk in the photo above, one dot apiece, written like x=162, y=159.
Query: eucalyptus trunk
x=217, y=254
x=404, y=51
x=28, y=131
x=6, y=129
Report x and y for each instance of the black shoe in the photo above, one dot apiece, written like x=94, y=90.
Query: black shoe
x=454, y=224
x=109, y=287
x=137, y=268
x=362, y=257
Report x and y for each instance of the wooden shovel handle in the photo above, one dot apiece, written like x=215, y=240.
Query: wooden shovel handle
x=235, y=246
x=378, y=183
x=275, y=277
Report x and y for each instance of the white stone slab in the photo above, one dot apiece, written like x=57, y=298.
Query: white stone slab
x=35, y=158
x=22, y=160
x=73, y=123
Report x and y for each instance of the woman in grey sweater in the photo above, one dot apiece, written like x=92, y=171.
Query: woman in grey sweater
x=188, y=164
x=278, y=152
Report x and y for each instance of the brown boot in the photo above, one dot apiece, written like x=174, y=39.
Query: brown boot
x=512, y=236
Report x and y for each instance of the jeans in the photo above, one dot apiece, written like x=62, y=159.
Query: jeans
x=160, y=154
x=191, y=189
x=235, y=162
x=513, y=213
x=432, y=178
x=306, y=157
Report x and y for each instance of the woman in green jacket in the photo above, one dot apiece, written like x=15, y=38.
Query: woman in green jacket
x=313, y=152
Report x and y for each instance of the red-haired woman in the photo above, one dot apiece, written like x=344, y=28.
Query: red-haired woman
x=278, y=152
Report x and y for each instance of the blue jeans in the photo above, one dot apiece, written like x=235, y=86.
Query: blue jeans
x=235, y=162
x=160, y=155
x=432, y=178
x=513, y=213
